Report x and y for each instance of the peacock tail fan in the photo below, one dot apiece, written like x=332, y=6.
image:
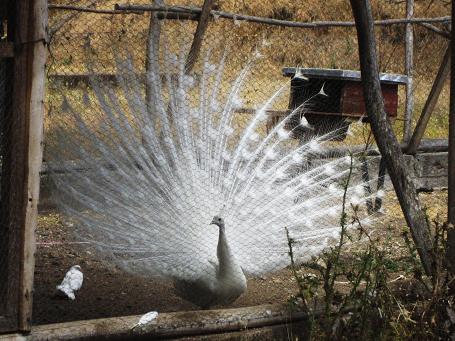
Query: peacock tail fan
x=143, y=162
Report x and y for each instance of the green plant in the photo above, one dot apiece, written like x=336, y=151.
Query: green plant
x=371, y=292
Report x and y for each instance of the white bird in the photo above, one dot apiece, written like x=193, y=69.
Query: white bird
x=222, y=283
x=147, y=163
x=72, y=282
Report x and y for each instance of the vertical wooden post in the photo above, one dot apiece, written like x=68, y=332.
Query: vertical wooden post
x=385, y=138
x=432, y=99
x=152, y=58
x=409, y=72
x=451, y=199
x=22, y=153
x=35, y=68
x=199, y=35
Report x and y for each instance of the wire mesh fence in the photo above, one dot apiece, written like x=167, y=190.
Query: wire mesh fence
x=145, y=154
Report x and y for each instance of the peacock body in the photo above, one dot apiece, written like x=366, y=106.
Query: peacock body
x=142, y=167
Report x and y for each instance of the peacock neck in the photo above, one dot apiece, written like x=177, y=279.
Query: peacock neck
x=225, y=258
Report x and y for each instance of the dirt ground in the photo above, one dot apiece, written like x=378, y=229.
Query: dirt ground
x=108, y=291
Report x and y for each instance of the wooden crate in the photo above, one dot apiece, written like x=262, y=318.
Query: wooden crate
x=343, y=103
x=353, y=103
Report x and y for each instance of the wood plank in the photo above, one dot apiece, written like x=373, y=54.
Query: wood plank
x=353, y=102
x=430, y=103
x=199, y=35
x=385, y=137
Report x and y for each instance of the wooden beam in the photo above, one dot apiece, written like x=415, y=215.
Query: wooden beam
x=167, y=325
x=430, y=103
x=409, y=62
x=385, y=138
x=199, y=35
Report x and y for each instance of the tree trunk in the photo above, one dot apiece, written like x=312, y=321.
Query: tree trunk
x=199, y=35
x=387, y=142
x=451, y=200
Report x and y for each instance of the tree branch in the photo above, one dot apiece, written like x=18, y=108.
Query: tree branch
x=385, y=137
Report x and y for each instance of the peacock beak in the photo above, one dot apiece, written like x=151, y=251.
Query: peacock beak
x=213, y=222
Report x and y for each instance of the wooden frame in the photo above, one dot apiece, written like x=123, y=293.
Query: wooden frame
x=21, y=189
x=27, y=26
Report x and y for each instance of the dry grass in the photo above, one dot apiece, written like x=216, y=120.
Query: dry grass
x=111, y=35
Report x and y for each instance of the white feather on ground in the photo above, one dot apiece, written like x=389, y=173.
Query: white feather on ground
x=146, y=318
x=72, y=282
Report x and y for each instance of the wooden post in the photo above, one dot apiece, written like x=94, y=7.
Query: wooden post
x=385, y=138
x=199, y=35
x=432, y=99
x=22, y=153
x=451, y=199
x=409, y=72
x=152, y=58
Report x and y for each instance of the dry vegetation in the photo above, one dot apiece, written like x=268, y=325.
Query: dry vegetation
x=110, y=35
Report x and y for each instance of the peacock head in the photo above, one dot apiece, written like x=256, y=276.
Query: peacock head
x=218, y=221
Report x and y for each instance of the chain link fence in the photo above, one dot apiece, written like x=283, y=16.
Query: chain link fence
x=143, y=153
x=334, y=48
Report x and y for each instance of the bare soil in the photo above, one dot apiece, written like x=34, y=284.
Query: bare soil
x=109, y=291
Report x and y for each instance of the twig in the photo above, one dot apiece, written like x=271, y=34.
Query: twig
x=435, y=30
